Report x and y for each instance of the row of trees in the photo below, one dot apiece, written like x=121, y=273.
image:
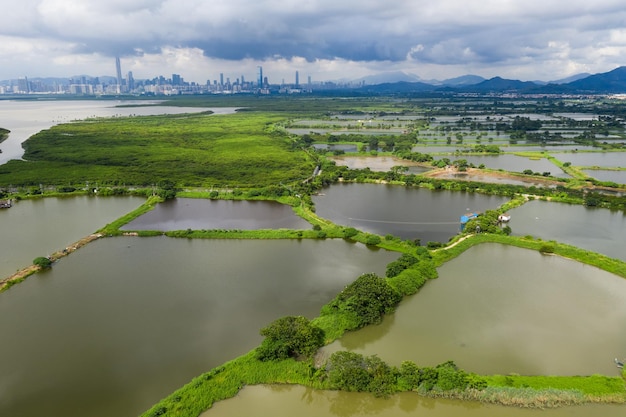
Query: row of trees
x=351, y=371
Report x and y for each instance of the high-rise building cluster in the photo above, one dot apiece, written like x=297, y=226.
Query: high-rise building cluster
x=160, y=85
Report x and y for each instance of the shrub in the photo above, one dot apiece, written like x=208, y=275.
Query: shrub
x=409, y=376
x=42, y=262
x=354, y=372
x=373, y=240
x=547, y=248
x=290, y=337
x=450, y=377
x=399, y=265
x=366, y=300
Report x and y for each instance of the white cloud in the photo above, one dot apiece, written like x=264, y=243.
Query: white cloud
x=325, y=37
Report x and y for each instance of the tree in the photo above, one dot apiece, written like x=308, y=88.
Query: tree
x=354, y=372
x=373, y=240
x=290, y=337
x=367, y=299
x=400, y=264
x=409, y=375
x=350, y=232
x=42, y=262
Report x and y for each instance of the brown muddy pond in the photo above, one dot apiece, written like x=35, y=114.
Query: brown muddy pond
x=293, y=400
x=124, y=321
x=202, y=214
x=499, y=309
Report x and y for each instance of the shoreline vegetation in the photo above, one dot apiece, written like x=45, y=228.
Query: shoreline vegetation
x=272, y=181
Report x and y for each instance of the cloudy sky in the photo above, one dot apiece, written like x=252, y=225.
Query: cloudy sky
x=324, y=39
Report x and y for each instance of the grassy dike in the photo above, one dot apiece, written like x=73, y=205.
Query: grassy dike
x=512, y=390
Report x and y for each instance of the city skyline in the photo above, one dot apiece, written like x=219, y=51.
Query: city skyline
x=329, y=41
x=159, y=84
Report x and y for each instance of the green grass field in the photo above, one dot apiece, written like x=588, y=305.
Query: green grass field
x=191, y=150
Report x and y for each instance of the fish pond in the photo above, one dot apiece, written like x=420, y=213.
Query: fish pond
x=201, y=214
x=410, y=213
x=499, y=309
x=124, y=321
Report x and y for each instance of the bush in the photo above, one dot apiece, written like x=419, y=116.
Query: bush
x=66, y=189
x=399, y=265
x=547, y=248
x=409, y=376
x=354, y=372
x=411, y=280
x=346, y=371
x=366, y=300
x=350, y=232
x=290, y=337
x=42, y=262
x=373, y=240
x=450, y=377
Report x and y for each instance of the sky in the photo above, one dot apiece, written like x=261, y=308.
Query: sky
x=328, y=40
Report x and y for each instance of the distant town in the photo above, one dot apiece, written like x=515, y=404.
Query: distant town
x=610, y=83
x=159, y=85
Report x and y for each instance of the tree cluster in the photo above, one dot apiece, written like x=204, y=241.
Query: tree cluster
x=290, y=337
x=351, y=371
x=365, y=301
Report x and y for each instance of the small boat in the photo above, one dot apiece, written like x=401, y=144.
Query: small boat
x=6, y=203
x=619, y=364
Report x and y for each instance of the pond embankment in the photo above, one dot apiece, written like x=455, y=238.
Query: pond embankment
x=29, y=270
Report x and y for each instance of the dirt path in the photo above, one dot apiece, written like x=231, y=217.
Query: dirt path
x=29, y=270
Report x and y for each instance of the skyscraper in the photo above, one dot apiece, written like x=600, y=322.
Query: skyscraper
x=118, y=67
x=297, y=79
x=130, y=81
x=260, y=80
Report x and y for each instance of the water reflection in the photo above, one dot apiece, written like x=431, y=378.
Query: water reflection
x=600, y=159
x=290, y=400
x=377, y=163
x=199, y=214
x=409, y=213
x=498, y=309
x=125, y=321
x=606, y=175
x=33, y=228
x=595, y=229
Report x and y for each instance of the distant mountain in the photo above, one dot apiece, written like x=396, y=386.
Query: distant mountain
x=463, y=80
x=604, y=83
x=607, y=82
x=401, y=87
x=498, y=84
x=570, y=79
x=388, y=77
